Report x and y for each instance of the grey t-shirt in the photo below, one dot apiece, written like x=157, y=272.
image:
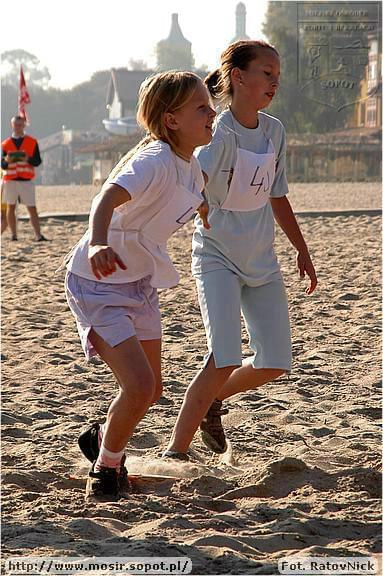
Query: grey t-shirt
x=240, y=241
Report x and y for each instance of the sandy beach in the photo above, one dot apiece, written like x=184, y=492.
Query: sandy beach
x=302, y=474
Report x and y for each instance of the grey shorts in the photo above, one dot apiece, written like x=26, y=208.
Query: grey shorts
x=222, y=297
x=115, y=311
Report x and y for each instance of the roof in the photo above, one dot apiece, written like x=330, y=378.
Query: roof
x=74, y=138
x=115, y=143
x=125, y=83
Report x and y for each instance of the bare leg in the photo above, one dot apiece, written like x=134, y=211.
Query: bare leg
x=11, y=218
x=247, y=378
x=198, y=398
x=34, y=219
x=152, y=349
x=136, y=379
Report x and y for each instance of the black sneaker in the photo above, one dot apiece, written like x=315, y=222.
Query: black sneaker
x=41, y=238
x=107, y=483
x=88, y=442
x=212, y=432
x=14, y=238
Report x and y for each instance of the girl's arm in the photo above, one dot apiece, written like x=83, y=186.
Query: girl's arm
x=285, y=217
x=203, y=209
x=103, y=258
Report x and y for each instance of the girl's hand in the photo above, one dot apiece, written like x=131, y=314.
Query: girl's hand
x=306, y=267
x=203, y=211
x=103, y=260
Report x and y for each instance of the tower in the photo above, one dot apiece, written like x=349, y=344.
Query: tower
x=240, y=23
x=174, y=53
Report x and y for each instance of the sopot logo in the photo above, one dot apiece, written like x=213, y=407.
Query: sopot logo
x=338, y=51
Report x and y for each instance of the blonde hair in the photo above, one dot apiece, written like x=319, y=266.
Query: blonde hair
x=158, y=94
x=237, y=55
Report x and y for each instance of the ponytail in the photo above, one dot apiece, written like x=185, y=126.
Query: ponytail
x=212, y=83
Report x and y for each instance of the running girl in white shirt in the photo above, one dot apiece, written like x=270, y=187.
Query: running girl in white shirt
x=234, y=261
x=115, y=270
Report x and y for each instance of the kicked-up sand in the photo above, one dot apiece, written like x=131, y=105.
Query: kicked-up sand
x=302, y=473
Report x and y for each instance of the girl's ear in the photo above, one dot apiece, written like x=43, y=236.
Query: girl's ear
x=236, y=76
x=170, y=121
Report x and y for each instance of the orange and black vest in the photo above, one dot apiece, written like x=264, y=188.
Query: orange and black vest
x=19, y=169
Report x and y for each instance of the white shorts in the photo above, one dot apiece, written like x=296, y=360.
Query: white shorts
x=115, y=311
x=19, y=191
x=222, y=297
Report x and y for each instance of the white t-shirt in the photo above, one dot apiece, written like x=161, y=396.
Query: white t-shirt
x=151, y=177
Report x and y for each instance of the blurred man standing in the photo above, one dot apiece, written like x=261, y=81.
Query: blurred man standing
x=20, y=155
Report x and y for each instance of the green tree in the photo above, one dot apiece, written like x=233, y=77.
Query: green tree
x=35, y=73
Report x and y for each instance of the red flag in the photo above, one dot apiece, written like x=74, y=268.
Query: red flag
x=24, y=97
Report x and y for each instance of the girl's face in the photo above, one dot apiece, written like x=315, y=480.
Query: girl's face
x=260, y=81
x=193, y=122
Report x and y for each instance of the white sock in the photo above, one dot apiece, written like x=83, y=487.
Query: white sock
x=108, y=459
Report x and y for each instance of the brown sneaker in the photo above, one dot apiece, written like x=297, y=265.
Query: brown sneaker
x=212, y=432
x=175, y=455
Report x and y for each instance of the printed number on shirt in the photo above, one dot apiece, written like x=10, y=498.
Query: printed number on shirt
x=261, y=183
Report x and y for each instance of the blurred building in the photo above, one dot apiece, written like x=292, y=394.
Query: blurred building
x=353, y=155
x=368, y=111
x=240, y=23
x=63, y=163
x=175, y=52
x=106, y=154
x=121, y=100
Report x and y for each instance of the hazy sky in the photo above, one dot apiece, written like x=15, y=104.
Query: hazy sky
x=76, y=38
